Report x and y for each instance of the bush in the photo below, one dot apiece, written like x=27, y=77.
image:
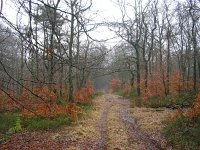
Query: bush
x=183, y=129
x=7, y=121
x=10, y=123
x=115, y=84
x=84, y=94
x=184, y=99
x=182, y=134
x=130, y=94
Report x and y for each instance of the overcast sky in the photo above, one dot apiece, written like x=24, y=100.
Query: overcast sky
x=107, y=10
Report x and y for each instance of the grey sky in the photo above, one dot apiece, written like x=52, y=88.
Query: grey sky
x=106, y=9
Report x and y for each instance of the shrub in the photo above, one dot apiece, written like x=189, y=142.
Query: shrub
x=10, y=124
x=83, y=95
x=46, y=111
x=7, y=120
x=127, y=89
x=156, y=87
x=181, y=134
x=6, y=104
x=183, y=99
x=115, y=84
x=195, y=111
x=183, y=129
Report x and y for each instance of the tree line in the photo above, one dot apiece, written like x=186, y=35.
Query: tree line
x=50, y=44
x=159, y=44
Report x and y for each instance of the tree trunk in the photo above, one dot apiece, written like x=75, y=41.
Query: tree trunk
x=168, y=62
x=138, y=71
x=71, y=86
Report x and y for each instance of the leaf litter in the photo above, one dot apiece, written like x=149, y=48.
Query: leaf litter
x=112, y=123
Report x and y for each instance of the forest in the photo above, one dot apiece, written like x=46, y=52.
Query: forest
x=73, y=76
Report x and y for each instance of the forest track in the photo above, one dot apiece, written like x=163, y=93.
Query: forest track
x=109, y=126
x=120, y=130
x=135, y=133
x=103, y=124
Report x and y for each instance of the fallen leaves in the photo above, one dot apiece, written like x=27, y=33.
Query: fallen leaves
x=117, y=133
x=150, y=119
x=84, y=134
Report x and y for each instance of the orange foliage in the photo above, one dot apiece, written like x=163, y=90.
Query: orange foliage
x=195, y=110
x=42, y=101
x=44, y=95
x=177, y=84
x=53, y=110
x=115, y=84
x=45, y=110
x=6, y=103
x=156, y=86
x=74, y=110
x=83, y=95
x=178, y=113
x=127, y=89
x=46, y=104
x=192, y=113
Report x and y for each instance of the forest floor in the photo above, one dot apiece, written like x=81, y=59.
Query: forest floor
x=110, y=125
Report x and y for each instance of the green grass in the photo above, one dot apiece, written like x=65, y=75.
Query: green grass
x=7, y=121
x=12, y=123
x=45, y=124
x=135, y=100
x=120, y=92
x=10, y=120
x=183, y=134
x=9, y=124
x=132, y=95
x=87, y=108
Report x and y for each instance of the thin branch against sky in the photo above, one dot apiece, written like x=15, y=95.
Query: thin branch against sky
x=103, y=10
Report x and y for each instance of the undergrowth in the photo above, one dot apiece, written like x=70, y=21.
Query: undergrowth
x=182, y=130
x=183, y=99
x=45, y=123
x=14, y=122
x=183, y=133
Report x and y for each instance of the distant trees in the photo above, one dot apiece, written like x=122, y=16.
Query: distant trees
x=50, y=47
x=9, y=57
x=163, y=41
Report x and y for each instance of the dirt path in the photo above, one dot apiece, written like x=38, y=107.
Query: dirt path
x=122, y=129
x=110, y=126
x=135, y=133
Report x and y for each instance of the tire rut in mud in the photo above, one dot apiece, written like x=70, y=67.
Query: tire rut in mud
x=134, y=131
x=103, y=124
